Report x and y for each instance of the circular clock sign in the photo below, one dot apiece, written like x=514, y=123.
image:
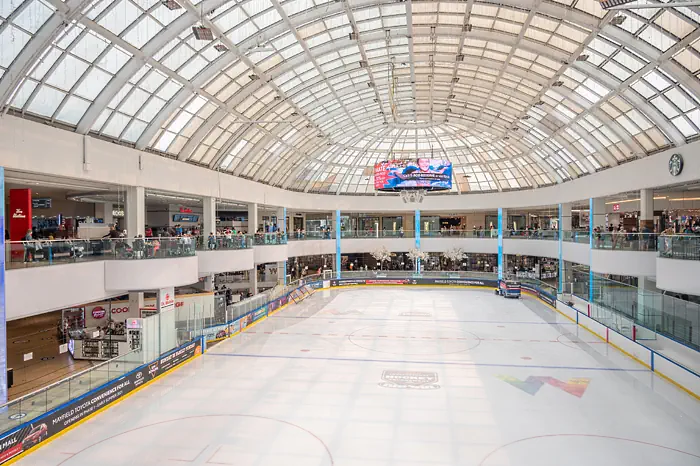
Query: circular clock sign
x=675, y=164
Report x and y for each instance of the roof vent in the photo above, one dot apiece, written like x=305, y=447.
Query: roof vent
x=582, y=57
x=558, y=84
x=451, y=96
x=363, y=64
x=319, y=135
x=370, y=84
x=618, y=20
x=202, y=33
x=525, y=117
x=172, y=5
x=460, y=57
x=220, y=48
x=253, y=77
x=353, y=36
x=539, y=103
x=295, y=114
x=467, y=28
x=455, y=80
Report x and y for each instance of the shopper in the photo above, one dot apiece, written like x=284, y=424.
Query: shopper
x=29, y=247
x=211, y=241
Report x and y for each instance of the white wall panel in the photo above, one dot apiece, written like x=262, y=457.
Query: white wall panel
x=473, y=245
x=271, y=253
x=681, y=276
x=624, y=262
x=36, y=290
x=225, y=261
x=145, y=274
x=531, y=247
x=310, y=247
x=576, y=252
x=352, y=245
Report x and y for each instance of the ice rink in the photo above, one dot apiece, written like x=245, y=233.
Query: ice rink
x=401, y=377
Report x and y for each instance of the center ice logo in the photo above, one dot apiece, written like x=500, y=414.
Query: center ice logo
x=410, y=380
x=576, y=386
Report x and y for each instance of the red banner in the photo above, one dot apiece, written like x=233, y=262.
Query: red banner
x=20, y=213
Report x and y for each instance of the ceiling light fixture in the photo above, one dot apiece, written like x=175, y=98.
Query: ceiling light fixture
x=202, y=33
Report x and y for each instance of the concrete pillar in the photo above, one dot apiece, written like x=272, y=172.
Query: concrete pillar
x=135, y=302
x=104, y=210
x=208, y=283
x=208, y=216
x=417, y=227
x=564, y=225
x=252, y=218
x=646, y=212
x=3, y=319
x=336, y=231
x=502, y=219
x=597, y=213
x=254, y=281
x=596, y=218
x=135, y=215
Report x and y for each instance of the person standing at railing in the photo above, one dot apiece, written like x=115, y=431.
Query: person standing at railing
x=401, y=232
x=29, y=247
x=211, y=241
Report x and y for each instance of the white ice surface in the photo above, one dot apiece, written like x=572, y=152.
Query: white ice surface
x=305, y=388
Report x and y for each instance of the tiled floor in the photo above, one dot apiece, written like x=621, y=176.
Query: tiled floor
x=389, y=376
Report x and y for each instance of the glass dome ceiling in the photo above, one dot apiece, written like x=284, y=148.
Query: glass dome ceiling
x=308, y=95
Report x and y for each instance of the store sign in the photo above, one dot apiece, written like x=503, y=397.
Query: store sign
x=41, y=203
x=67, y=415
x=166, y=299
x=117, y=213
x=616, y=207
x=185, y=210
x=21, y=213
x=98, y=312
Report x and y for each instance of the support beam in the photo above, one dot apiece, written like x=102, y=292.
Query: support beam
x=502, y=218
x=135, y=215
x=336, y=227
x=208, y=216
x=252, y=218
x=646, y=212
x=417, y=235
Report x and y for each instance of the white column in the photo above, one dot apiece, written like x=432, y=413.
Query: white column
x=208, y=216
x=598, y=212
x=135, y=303
x=281, y=220
x=252, y=218
x=209, y=282
x=646, y=212
x=254, y=281
x=103, y=210
x=135, y=215
x=565, y=217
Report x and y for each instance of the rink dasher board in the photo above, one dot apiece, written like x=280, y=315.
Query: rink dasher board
x=466, y=282
x=72, y=413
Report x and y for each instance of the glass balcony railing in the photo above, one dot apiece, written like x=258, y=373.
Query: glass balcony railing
x=576, y=236
x=206, y=243
x=459, y=234
x=268, y=239
x=378, y=234
x=310, y=235
x=19, y=254
x=684, y=247
x=532, y=234
x=625, y=241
